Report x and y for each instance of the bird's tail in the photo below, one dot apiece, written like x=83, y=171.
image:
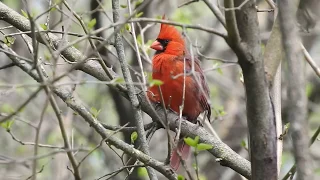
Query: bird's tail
x=184, y=151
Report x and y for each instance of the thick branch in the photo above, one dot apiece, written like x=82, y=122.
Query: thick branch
x=260, y=113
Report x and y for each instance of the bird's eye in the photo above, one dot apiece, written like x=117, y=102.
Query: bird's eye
x=166, y=41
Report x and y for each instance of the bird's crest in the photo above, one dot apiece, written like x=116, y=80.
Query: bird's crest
x=169, y=32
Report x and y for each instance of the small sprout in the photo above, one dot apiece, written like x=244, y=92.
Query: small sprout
x=139, y=40
x=118, y=80
x=180, y=177
x=155, y=82
x=139, y=14
x=92, y=23
x=220, y=71
x=196, y=139
x=24, y=13
x=138, y=2
x=123, y=6
x=44, y=26
x=134, y=136
x=142, y=172
x=203, y=146
x=243, y=143
x=191, y=142
x=127, y=27
x=9, y=40
x=53, y=9
x=7, y=124
x=95, y=112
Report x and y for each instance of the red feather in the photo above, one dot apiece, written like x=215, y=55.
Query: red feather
x=168, y=66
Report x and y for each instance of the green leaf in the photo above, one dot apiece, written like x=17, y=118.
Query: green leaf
x=118, y=80
x=123, y=6
x=127, y=27
x=9, y=40
x=134, y=136
x=24, y=14
x=138, y=2
x=53, y=9
x=191, y=142
x=309, y=89
x=44, y=26
x=139, y=14
x=203, y=146
x=47, y=56
x=196, y=139
x=95, y=112
x=7, y=125
x=155, y=82
x=142, y=172
x=243, y=143
x=158, y=17
x=180, y=177
x=92, y=23
x=220, y=111
x=220, y=71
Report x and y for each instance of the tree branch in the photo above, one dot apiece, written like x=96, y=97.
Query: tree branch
x=131, y=89
x=297, y=109
x=260, y=112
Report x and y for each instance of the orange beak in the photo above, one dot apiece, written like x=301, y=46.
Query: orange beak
x=156, y=45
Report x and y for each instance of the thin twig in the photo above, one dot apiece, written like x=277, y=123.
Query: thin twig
x=293, y=169
x=133, y=32
x=309, y=59
x=36, y=141
x=31, y=97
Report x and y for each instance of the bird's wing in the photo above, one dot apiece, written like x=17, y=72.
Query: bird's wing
x=201, y=82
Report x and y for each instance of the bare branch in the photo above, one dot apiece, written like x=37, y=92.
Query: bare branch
x=309, y=59
x=243, y=25
x=131, y=89
x=296, y=90
x=216, y=11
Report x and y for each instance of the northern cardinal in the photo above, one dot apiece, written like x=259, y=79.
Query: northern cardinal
x=168, y=66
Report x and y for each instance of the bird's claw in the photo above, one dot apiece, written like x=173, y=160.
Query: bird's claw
x=199, y=122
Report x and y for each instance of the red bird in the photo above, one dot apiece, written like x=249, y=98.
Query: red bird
x=168, y=66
